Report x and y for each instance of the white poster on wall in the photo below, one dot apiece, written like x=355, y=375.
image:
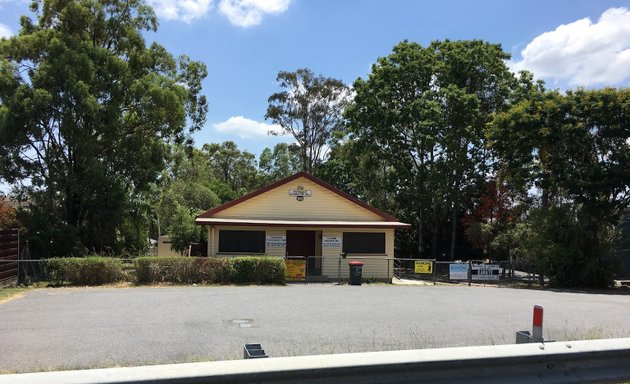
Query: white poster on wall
x=276, y=241
x=331, y=242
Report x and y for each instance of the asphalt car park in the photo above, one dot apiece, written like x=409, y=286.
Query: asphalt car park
x=71, y=328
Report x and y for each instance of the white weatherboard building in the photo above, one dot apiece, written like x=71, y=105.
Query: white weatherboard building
x=304, y=216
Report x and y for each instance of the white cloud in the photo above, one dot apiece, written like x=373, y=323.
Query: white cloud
x=245, y=128
x=582, y=52
x=183, y=10
x=5, y=31
x=242, y=13
x=248, y=13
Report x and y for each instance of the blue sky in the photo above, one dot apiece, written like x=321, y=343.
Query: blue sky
x=245, y=43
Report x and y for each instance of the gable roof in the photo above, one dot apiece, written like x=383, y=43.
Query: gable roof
x=209, y=213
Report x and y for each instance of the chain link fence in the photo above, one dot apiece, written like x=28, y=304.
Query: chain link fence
x=470, y=272
x=309, y=269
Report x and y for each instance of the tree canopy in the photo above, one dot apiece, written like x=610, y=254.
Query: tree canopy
x=281, y=162
x=309, y=108
x=575, y=149
x=87, y=109
x=423, y=111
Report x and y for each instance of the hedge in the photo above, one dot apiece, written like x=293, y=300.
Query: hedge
x=180, y=270
x=211, y=270
x=91, y=270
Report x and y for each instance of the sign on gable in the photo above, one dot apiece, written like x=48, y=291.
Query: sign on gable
x=300, y=193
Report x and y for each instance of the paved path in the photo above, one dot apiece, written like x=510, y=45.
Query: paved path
x=97, y=327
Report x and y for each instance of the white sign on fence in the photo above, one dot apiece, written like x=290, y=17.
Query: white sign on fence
x=458, y=271
x=331, y=241
x=485, y=272
x=276, y=241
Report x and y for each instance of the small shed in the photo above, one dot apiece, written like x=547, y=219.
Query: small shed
x=303, y=216
x=164, y=247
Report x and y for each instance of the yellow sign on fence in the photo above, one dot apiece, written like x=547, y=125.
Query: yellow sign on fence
x=424, y=266
x=296, y=269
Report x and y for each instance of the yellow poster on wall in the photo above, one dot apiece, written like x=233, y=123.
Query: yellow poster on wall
x=423, y=266
x=296, y=269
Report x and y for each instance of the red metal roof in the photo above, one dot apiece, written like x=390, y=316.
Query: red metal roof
x=301, y=223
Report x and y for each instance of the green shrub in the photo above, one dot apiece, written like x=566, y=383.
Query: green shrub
x=91, y=270
x=270, y=270
x=210, y=270
x=257, y=270
x=175, y=269
x=244, y=270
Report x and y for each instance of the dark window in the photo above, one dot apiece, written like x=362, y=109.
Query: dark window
x=364, y=242
x=242, y=241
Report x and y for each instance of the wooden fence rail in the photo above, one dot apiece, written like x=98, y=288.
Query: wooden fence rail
x=9, y=250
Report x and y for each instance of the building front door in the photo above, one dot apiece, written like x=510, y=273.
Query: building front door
x=302, y=243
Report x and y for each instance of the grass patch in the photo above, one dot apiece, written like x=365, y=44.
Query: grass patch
x=594, y=333
x=117, y=364
x=7, y=294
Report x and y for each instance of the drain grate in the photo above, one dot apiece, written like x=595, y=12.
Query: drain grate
x=241, y=323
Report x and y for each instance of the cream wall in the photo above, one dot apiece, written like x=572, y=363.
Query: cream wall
x=164, y=247
x=276, y=204
x=375, y=266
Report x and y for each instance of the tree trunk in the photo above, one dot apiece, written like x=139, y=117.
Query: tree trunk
x=420, y=244
x=306, y=167
x=544, y=200
x=453, y=233
x=434, y=240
